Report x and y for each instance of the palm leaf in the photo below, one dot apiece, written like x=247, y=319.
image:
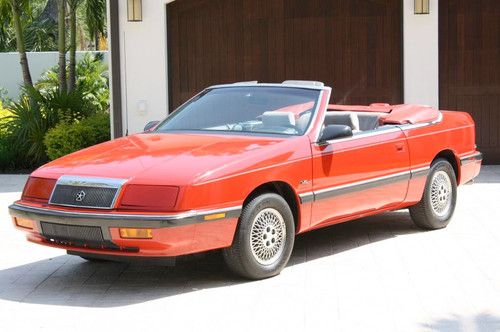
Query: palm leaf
x=95, y=16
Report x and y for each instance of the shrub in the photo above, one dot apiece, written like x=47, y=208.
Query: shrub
x=66, y=138
x=92, y=81
x=7, y=155
x=23, y=128
x=26, y=126
x=64, y=106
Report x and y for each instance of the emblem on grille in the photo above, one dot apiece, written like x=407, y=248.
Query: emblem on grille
x=80, y=196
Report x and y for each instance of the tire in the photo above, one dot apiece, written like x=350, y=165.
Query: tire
x=437, y=206
x=268, y=220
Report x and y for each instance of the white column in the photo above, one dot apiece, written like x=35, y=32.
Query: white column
x=421, y=55
x=144, y=65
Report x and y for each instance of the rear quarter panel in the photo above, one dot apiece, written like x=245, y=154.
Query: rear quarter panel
x=455, y=133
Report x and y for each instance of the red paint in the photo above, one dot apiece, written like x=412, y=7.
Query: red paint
x=214, y=170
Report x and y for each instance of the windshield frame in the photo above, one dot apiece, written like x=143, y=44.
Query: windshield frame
x=178, y=110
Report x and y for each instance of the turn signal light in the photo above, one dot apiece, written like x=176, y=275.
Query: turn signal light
x=136, y=233
x=214, y=216
x=24, y=223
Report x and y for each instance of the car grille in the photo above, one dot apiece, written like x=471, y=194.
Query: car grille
x=86, y=192
x=77, y=236
x=72, y=232
x=83, y=196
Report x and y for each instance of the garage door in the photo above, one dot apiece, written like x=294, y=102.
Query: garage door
x=355, y=46
x=470, y=66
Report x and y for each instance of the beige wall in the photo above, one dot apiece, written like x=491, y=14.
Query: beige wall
x=421, y=55
x=143, y=61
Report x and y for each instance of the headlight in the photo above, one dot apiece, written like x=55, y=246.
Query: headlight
x=149, y=198
x=38, y=190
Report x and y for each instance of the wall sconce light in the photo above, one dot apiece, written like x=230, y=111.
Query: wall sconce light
x=422, y=7
x=134, y=10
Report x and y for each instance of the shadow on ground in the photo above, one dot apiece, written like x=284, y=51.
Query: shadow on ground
x=483, y=322
x=71, y=281
x=489, y=174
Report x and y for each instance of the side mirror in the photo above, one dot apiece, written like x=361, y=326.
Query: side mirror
x=150, y=126
x=334, y=131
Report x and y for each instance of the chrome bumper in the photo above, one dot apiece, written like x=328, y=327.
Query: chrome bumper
x=113, y=220
x=477, y=156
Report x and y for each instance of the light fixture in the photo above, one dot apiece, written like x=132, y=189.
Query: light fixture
x=136, y=233
x=422, y=7
x=134, y=10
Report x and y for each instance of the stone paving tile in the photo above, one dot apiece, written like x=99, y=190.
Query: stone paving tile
x=375, y=274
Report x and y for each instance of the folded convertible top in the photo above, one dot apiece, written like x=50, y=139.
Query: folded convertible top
x=394, y=114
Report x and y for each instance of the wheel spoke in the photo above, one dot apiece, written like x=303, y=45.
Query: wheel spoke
x=441, y=193
x=267, y=236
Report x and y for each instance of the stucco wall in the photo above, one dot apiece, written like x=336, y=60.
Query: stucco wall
x=10, y=70
x=144, y=65
x=421, y=55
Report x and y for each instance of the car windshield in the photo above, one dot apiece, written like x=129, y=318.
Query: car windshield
x=265, y=110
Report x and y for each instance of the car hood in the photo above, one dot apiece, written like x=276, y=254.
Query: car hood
x=172, y=158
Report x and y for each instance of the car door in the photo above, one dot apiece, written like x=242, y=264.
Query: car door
x=360, y=174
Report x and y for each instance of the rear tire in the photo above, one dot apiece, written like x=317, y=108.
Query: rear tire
x=437, y=206
x=264, y=240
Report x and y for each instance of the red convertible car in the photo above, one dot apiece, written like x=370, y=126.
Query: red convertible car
x=244, y=168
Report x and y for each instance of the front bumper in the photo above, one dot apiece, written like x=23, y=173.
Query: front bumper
x=173, y=234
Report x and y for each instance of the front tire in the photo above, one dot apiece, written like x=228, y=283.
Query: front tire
x=264, y=241
x=437, y=206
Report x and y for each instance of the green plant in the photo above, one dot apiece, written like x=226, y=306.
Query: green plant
x=95, y=19
x=6, y=151
x=8, y=155
x=92, y=82
x=3, y=97
x=26, y=126
x=41, y=36
x=64, y=106
x=67, y=138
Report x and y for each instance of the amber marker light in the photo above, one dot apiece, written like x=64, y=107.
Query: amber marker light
x=24, y=223
x=214, y=216
x=136, y=233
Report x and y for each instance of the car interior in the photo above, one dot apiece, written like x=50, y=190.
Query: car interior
x=294, y=119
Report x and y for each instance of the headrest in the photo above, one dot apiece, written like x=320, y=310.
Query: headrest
x=279, y=119
x=346, y=118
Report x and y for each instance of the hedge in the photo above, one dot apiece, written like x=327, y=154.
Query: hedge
x=7, y=154
x=67, y=138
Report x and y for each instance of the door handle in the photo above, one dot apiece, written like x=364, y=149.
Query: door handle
x=400, y=146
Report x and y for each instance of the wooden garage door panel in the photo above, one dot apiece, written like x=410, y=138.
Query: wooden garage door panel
x=352, y=45
x=470, y=66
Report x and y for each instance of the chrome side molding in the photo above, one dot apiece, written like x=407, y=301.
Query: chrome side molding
x=350, y=188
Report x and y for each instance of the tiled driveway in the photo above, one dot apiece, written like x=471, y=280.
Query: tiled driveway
x=374, y=274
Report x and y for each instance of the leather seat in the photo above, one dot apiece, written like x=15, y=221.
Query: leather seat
x=368, y=121
x=279, y=122
x=343, y=118
x=278, y=119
